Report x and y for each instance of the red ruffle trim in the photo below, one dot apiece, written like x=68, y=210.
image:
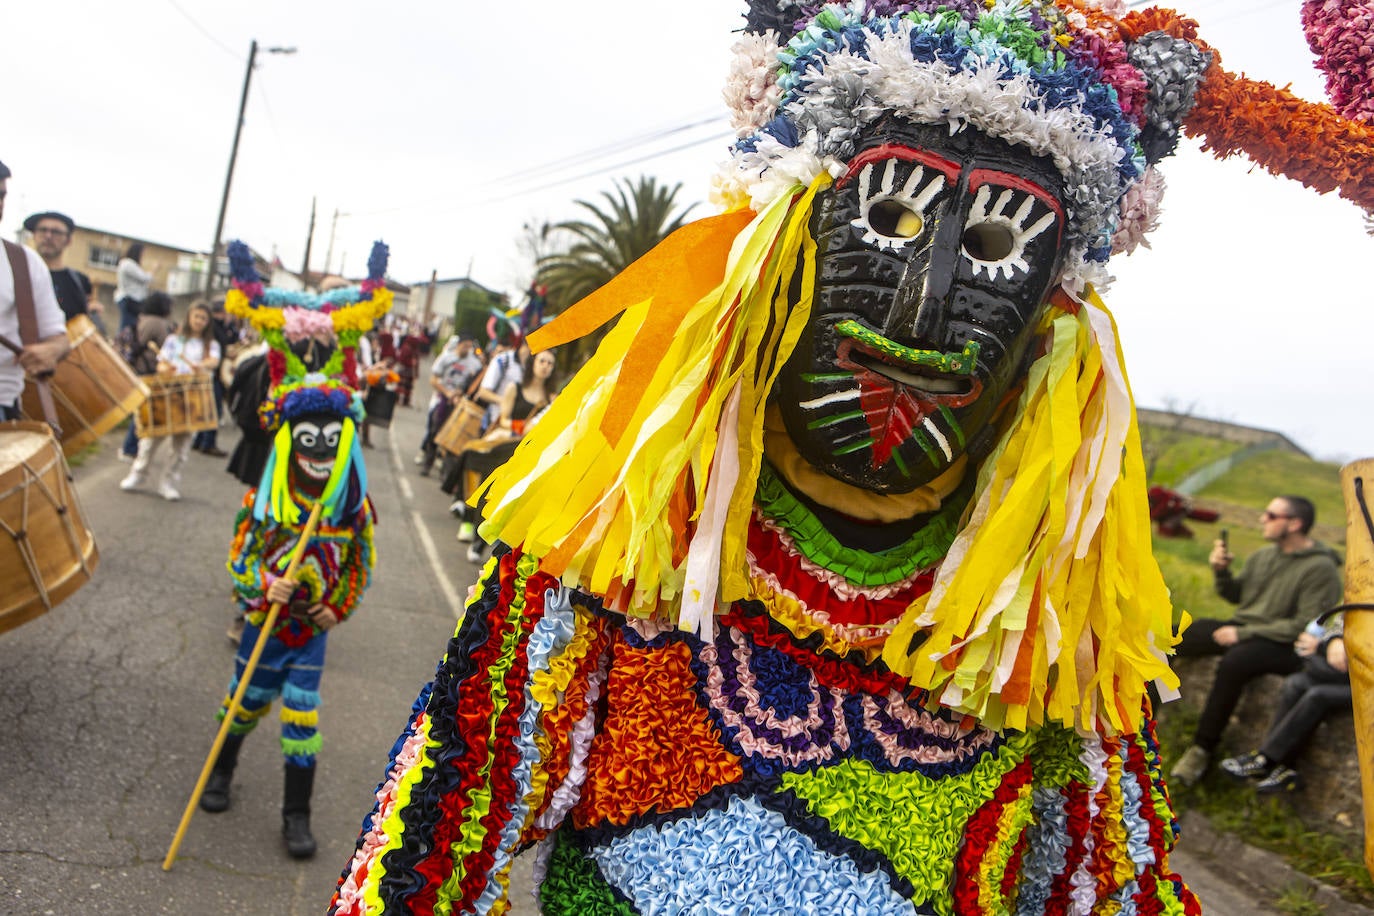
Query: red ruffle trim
x=486, y=765
x=770, y=554
x=979, y=836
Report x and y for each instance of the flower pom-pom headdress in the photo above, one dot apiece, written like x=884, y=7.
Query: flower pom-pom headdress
x=282, y=317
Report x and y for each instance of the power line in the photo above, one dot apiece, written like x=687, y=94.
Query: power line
x=209, y=35
x=606, y=149
x=561, y=181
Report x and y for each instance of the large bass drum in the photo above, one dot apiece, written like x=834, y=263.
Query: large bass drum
x=46, y=550
x=93, y=388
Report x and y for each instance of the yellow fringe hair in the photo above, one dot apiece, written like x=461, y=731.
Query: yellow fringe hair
x=1049, y=605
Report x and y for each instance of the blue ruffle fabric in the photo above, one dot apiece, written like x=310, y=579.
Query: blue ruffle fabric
x=744, y=859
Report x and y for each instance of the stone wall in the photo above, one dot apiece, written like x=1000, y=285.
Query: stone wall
x=1330, y=799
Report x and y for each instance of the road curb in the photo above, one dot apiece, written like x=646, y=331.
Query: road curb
x=1255, y=867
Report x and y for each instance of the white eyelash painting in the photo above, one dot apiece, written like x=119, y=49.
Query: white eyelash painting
x=891, y=219
x=1012, y=230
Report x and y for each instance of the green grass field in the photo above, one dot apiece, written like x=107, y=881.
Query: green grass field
x=1261, y=477
x=1171, y=456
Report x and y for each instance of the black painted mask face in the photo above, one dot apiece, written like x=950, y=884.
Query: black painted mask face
x=315, y=448
x=935, y=256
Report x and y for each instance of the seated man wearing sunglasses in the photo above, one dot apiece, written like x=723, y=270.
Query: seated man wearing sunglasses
x=1278, y=590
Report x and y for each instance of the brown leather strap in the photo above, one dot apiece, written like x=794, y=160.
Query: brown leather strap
x=23, y=294
x=27, y=314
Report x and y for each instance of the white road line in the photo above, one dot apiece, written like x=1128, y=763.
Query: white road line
x=455, y=603
x=431, y=549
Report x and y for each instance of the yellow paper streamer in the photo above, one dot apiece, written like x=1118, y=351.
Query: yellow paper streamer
x=613, y=514
x=1049, y=605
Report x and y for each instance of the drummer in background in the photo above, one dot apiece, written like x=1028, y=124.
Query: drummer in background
x=52, y=345
x=191, y=350
x=52, y=233
x=453, y=371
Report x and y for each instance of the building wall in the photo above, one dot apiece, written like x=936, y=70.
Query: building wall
x=96, y=254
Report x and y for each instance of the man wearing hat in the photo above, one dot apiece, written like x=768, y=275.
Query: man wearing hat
x=450, y=376
x=52, y=233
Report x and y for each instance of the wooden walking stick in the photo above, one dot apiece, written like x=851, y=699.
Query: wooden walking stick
x=232, y=709
x=1357, y=486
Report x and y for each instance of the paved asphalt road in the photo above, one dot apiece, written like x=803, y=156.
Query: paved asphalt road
x=107, y=703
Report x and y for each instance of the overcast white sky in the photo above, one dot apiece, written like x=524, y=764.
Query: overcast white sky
x=444, y=127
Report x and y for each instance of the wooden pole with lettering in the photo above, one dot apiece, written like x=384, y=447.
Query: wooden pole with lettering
x=1357, y=486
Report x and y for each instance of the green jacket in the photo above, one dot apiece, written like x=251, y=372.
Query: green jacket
x=1279, y=593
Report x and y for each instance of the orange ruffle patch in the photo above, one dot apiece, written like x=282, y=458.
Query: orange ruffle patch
x=657, y=750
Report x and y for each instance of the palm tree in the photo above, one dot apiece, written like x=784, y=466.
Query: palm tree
x=633, y=219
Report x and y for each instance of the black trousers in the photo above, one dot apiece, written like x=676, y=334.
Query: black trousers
x=1240, y=664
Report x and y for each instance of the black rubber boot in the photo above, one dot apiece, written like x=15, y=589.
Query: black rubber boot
x=295, y=812
x=215, y=798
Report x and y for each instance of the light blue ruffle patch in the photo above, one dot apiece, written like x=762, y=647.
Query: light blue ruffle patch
x=743, y=860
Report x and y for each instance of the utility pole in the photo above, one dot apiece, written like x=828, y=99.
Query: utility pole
x=309, y=237
x=233, y=157
x=329, y=252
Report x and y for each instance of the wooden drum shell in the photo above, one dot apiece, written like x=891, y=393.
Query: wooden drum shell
x=177, y=404
x=93, y=389
x=463, y=426
x=46, y=550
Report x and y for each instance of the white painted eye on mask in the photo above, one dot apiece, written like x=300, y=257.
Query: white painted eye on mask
x=331, y=433
x=891, y=218
x=306, y=435
x=995, y=242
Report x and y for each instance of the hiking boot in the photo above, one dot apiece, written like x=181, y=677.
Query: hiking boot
x=1247, y=766
x=216, y=798
x=1280, y=781
x=466, y=532
x=295, y=812
x=1191, y=767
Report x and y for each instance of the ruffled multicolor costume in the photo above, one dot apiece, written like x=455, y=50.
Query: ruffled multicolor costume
x=335, y=570
x=682, y=690
x=336, y=566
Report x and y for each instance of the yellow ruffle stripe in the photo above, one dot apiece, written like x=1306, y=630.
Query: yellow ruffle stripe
x=609, y=503
x=546, y=689
x=1049, y=605
x=472, y=832
x=306, y=717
